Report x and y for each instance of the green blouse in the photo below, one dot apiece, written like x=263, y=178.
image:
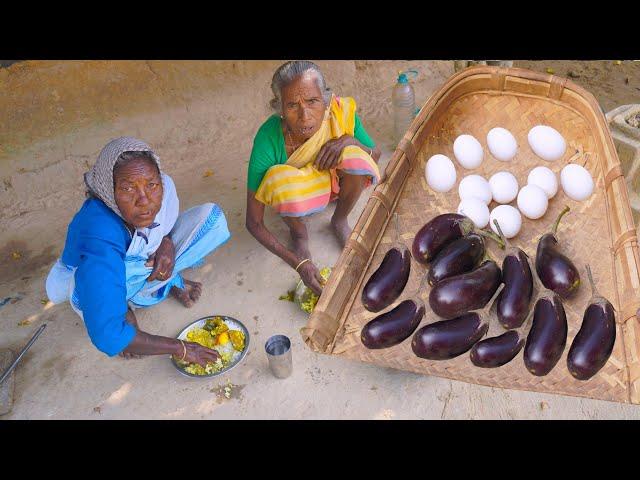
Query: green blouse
x=269, y=149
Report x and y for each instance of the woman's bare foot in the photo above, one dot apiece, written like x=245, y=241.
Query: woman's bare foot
x=299, y=236
x=301, y=246
x=188, y=295
x=341, y=229
x=351, y=187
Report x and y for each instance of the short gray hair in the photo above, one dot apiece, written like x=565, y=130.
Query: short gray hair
x=288, y=72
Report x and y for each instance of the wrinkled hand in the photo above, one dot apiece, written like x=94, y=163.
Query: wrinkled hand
x=329, y=155
x=196, y=353
x=311, y=277
x=162, y=260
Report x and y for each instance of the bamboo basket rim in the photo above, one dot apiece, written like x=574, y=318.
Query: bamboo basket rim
x=320, y=339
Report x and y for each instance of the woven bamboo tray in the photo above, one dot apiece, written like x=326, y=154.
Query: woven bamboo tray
x=599, y=231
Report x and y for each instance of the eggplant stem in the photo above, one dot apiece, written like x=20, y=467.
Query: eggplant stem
x=487, y=257
x=594, y=292
x=564, y=211
x=492, y=236
x=501, y=233
x=488, y=306
x=465, y=224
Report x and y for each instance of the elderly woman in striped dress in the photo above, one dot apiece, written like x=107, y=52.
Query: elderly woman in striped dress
x=312, y=151
x=126, y=248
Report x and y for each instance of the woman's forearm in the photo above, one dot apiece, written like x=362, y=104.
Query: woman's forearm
x=146, y=344
x=271, y=243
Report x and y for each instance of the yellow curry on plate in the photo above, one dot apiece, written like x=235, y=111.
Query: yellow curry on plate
x=217, y=335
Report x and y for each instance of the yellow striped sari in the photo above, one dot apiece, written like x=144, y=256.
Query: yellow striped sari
x=297, y=188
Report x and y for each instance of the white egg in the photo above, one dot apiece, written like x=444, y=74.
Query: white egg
x=576, y=182
x=504, y=187
x=546, y=142
x=544, y=178
x=509, y=219
x=502, y=144
x=475, y=186
x=532, y=201
x=476, y=210
x=468, y=151
x=440, y=173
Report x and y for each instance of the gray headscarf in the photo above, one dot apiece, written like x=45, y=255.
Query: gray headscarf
x=99, y=179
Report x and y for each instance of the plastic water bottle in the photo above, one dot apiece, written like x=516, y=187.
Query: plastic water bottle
x=404, y=104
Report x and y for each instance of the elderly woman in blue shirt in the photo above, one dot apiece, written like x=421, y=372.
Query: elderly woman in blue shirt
x=125, y=249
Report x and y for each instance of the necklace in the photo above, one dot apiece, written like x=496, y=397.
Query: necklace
x=292, y=145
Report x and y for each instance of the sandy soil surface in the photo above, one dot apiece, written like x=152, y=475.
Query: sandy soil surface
x=194, y=123
x=613, y=83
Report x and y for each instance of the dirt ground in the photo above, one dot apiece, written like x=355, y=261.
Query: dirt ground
x=200, y=119
x=613, y=83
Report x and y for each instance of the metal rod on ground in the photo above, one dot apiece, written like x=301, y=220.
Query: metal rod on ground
x=20, y=355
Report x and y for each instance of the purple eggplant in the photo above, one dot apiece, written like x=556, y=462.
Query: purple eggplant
x=515, y=299
x=548, y=335
x=387, y=283
x=497, y=351
x=593, y=344
x=460, y=256
x=439, y=232
x=446, y=339
x=393, y=327
x=556, y=271
x=457, y=295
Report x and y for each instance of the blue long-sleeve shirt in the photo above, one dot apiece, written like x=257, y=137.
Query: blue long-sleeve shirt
x=97, y=242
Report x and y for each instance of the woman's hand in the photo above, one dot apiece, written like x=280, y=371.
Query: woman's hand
x=146, y=344
x=329, y=155
x=199, y=354
x=162, y=260
x=311, y=277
